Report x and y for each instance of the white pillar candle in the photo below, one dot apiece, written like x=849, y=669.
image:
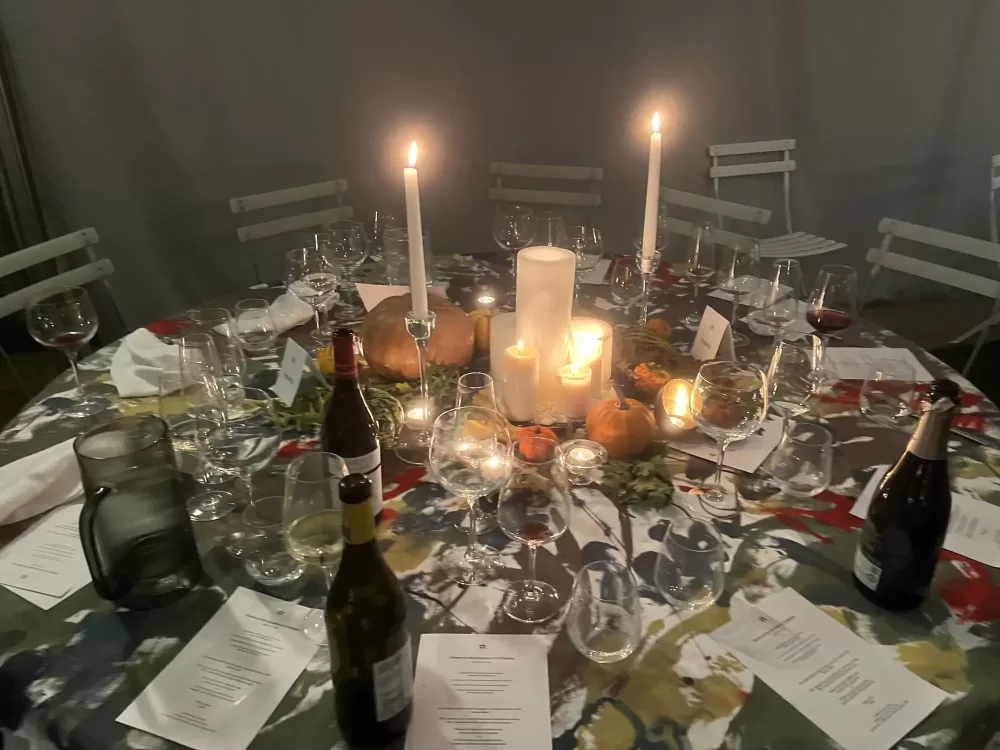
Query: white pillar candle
x=545, y=280
x=574, y=390
x=520, y=381
x=415, y=232
x=501, y=336
x=597, y=328
x=650, y=220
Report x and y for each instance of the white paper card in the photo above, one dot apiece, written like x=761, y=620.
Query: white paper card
x=714, y=337
x=856, y=363
x=219, y=690
x=46, y=564
x=473, y=690
x=604, y=304
x=746, y=455
x=852, y=690
x=293, y=363
x=596, y=274
x=754, y=294
x=372, y=294
x=974, y=527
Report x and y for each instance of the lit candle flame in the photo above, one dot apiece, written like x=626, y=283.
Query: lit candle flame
x=681, y=399
x=413, y=153
x=573, y=370
x=656, y=129
x=520, y=347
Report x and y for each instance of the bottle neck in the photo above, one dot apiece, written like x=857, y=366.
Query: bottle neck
x=930, y=439
x=345, y=361
x=359, y=523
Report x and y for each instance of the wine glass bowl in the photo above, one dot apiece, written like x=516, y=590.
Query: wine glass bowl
x=792, y=373
x=626, y=281
x=346, y=247
x=311, y=276
x=513, y=229
x=888, y=394
x=738, y=277
x=550, y=229
x=254, y=325
x=778, y=304
x=699, y=268
x=833, y=303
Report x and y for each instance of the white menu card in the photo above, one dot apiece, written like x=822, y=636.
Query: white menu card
x=481, y=690
x=852, y=690
x=745, y=455
x=219, y=690
x=856, y=363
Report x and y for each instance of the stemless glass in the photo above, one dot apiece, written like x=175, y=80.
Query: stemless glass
x=738, y=277
x=255, y=328
x=468, y=456
x=476, y=389
x=690, y=569
x=311, y=518
x=791, y=374
x=534, y=510
x=312, y=277
x=778, y=303
x=802, y=464
x=889, y=393
x=700, y=268
x=550, y=229
x=347, y=247
x=728, y=402
x=268, y=561
x=66, y=321
x=605, y=615
x=626, y=282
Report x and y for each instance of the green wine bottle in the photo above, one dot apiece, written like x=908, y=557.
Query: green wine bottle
x=370, y=653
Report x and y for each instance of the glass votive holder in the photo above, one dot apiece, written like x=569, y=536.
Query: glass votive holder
x=582, y=458
x=673, y=408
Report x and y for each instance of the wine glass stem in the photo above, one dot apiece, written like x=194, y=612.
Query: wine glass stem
x=644, y=311
x=532, y=553
x=71, y=356
x=732, y=314
x=694, y=296
x=720, y=465
x=327, y=576
x=473, y=536
x=247, y=478
x=316, y=315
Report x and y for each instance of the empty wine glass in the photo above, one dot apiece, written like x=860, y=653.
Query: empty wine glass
x=268, y=560
x=605, y=615
x=700, y=268
x=889, y=392
x=534, y=509
x=690, y=569
x=588, y=245
x=218, y=323
x=311, y=518
x=381, y=220
x=513, y=229
x=778, y=302
x=312, y=277
x=476, y=389
x=396, y=251
x=66, y=321
x=347, y=247
x=792, y=374
x=802, y=464
x=550, y=229
x=626, y=282
x=728, y=403
x=738, y=277
x=469, y=456
x=255, y=328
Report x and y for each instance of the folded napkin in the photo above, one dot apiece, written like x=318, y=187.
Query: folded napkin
x=288, y=311
x=136, y=366
x=39, y=482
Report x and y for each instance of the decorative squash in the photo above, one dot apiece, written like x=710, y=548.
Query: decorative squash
x=624, y=426
x=391, y=352
x=527, y=442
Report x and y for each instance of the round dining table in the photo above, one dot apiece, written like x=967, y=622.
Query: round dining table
x=68, y=672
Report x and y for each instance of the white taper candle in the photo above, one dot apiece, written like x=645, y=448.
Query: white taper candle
x=415, y=232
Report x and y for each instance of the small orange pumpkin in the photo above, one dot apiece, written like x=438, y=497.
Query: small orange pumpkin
x=624, y=426
x=532, y=448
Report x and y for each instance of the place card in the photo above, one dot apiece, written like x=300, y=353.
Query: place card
x=856, y=363
x=372, y=294
x=849, y=688
x=472, y=689
x=746, y=455
x=219, y=690
x=973, y=529
x=293, y=364
x=45, y=565
x=713, y=336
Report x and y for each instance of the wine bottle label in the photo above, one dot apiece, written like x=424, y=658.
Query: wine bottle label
x=867, y=570
x=370, y=464
x=393, y=678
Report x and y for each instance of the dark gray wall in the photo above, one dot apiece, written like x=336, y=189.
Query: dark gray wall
x=145, y=117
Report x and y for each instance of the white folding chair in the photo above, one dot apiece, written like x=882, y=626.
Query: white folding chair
x=710, y=207
x=95, y=269
x=994, y=186
x=792, y=244
x=287, y=196
x=881, y=258
x=591, y=176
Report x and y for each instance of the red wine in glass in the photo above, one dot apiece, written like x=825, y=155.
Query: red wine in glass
x=70, y=341
x=828, y=321
x=535, y=531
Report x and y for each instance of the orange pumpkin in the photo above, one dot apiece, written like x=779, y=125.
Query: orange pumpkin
x=391, y=352
x=624, y=426
x=530, y=446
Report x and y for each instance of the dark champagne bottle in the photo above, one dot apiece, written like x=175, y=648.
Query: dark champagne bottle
x=370, y=654
x=349, y=429
x=908, y=518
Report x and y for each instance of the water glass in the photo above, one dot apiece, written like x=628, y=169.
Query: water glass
x=247, y=440
x=690, y=569
x=605, y=615
x=793, y=373
x=626, y=282
x=255, y=328
x=699, y=268
x=396, y=244
x=218, y=323
x=476, y=389
x=739, y=268
x=889, y=393
x=778, y=301
x=267, y=560
x=802, y=464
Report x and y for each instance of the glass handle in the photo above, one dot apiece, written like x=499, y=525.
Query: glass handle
x=104, y=584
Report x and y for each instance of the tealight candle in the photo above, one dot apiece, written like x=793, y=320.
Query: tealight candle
x=520, y=381
x=582, y=458
x=673, y=407
x=574, y=393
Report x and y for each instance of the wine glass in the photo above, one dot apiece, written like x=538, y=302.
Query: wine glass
x=468, y=456
x=626, y=282
x=66, y=321
x=605, y=615
x=588, y=245
x=888, y=393
x=700, y=268
x=396, y=255
x=534, y=509
x=218, y=323
x=381, y=220
x=728, y=403
x=312, y=277
x=255, y=327
x=690, y=569
x=778, y=303
x=513, y=229
x=311, y=518
x=802, y=464
x=738, y=277
x=550, y=229
x=268, y=561
x=347, y=247
x=791, y=374
x=476, y=389
x=834, y=299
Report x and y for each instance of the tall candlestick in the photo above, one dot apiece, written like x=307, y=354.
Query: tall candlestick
x=414, y=228
x=650, y=220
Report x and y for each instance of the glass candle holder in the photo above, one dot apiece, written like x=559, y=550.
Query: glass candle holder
x=673, y=408
x=582, y=458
